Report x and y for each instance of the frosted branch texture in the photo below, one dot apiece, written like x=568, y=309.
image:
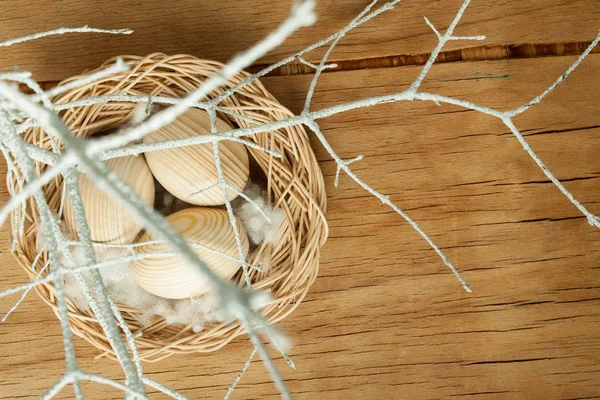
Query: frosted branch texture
x=19, y=112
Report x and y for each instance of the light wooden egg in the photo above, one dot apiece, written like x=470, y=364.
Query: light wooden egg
x=189, y=169
x=172, y=277
x=109, y=221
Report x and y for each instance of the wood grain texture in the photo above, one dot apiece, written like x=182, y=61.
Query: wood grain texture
x=220, y=29
x=108, y=220
x=386, y=319
x=189, y=172
x=173, y=277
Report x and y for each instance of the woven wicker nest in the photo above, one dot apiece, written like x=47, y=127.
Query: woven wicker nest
x=294, y=184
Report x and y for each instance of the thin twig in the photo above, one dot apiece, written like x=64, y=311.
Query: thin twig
x=118, y=66
x=442, y=39
x=386, y=200
x=159, y=386
x=240, y=375
x=61, y=31
x=87, y=154
x=558, y=81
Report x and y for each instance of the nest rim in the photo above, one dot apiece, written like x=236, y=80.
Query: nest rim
x=294, y=183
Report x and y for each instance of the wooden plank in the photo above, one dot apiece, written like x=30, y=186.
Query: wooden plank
x=220, y=29
x=385, y=318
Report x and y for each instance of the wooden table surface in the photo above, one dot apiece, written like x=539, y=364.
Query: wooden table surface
x=386, y=319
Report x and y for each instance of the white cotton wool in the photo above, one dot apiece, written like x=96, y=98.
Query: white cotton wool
x=194, y=311
x=74, y=292
x=71, y=287
x=120, y=283
x=252, y=215
x=123, y=288
x=141, y=111
x=40, y=241
x=166, y=203
x=114, y=273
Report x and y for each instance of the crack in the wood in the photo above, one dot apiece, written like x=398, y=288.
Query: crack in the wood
x=521, y=360
x=479, y=393
x=478, y=53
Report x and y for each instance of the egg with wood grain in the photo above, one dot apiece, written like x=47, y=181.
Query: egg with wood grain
x=211, y=236
x=110, y=221
x=190, y=172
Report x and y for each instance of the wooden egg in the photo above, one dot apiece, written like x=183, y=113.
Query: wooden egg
x=109, y=221
x=190, y=169
x=172, y=277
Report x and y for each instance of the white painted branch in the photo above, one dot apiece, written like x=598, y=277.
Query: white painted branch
x=240, y=375
x=302, y=15
x=441, y=43
x=26, y=286
x=61, y=31
x=84, y=376
x=386, y=200
x=105, y=308
x=478, y=37
x=314, y=66
x=32, y=186
x=159, y=386
x=433, y=28
x=131, y=98
x=253, y=203
x=118, y=66
x=339, y=168
x=592, y=219
x=232, y=218
x=558, y=81
x=25, y=292
x=237, y=302
x=57, y=387
x=321, y=66
x=264, y=354
x=13, y=142
x=278, y=338
x=388, y=6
